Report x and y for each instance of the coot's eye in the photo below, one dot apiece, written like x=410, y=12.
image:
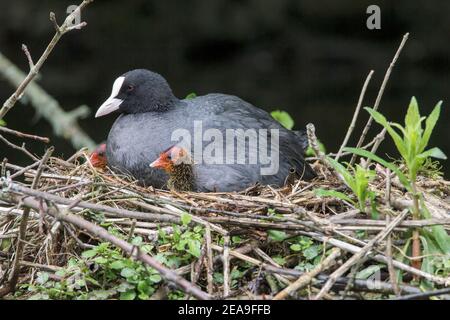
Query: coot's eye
x=130, y=88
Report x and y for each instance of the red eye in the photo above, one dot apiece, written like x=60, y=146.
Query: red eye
x=130, y=88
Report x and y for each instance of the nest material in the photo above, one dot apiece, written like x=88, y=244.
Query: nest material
x=250, y=214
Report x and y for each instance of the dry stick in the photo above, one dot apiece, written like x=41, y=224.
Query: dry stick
x=388, y=253
x=380, y=95
x=97, y=231
x=361, y=284
x=226, y=266
x=209, y=260
x=360, y=255
x=309, y=276
x=161, y=217
x=24, y=135
x=22, y=148
x=14, y=276
x=60, y=31
x=379, y=257
x=355, y=115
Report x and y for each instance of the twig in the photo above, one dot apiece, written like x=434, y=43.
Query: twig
x=11, y=101
x=24, y=135
x=28, y=55
x=97, y=231
x=380, y=95
x=390, y=264
x=309, y=276
x=356, y=257
x=22, y=148
x=355, y=115
x=226, y=265
x=209, y=260
x=14, y=275
x=424, y=295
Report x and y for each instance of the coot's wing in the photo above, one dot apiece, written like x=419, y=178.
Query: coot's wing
x=227, y=111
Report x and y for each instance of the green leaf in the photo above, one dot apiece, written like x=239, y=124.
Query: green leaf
x=392, y=167
x=333, y=193
x=2, y=123
x=186, y=218
x=191, y=95
x=128, y=295
x=343, y=172
x=399, y=143
x=100, y=260
x=137, y=241
x=42, y=278
x=117, y=265
x=367, y=272
x=296, y=247
x=311, y=252
x=283, y=118
x=89, y=253
x=276, y=235
x=430, y=123
x=433, y=152
x=279, y=259
x=412, y=118
x=127, y=272
x=155, y=278
x=194, y=248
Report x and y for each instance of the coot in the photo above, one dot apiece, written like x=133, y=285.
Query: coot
x=234, y=144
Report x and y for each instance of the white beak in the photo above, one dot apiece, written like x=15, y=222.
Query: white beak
x=112, y=103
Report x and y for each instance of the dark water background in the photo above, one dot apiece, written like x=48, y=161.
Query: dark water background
x=309, y=58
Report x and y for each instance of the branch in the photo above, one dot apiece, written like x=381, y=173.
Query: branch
x=24, y=135
x=64, y=123
x=359, y=255
x=34, y=70
x=14, y=276
x=355, y=115
x=97, y=231
x=380, y=94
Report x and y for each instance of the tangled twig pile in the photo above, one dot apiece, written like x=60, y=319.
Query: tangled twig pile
x=69, y=200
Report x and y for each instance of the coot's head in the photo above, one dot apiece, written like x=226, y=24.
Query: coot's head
x=138, y=91
x=172, y=157
x=98, y=157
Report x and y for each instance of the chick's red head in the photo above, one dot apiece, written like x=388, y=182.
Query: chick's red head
x=98, y=157
x=169, y=158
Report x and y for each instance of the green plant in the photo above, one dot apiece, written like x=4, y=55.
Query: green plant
x=191, y=95
x=411, y=145
x=411, y=141
x=101, y=273
x=357, y=179
x=283, y=118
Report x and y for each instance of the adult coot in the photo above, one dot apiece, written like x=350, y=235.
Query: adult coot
x=234, y=144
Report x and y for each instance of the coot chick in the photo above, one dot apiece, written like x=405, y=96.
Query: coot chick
x=177, y=163
x=98, y=157
x=150, y=114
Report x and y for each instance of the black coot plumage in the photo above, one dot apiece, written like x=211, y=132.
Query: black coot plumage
x=150, y=113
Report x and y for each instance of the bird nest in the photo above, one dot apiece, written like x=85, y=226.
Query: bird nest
x=261, y=243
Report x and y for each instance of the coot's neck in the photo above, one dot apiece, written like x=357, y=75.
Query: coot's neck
x=181, y=177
